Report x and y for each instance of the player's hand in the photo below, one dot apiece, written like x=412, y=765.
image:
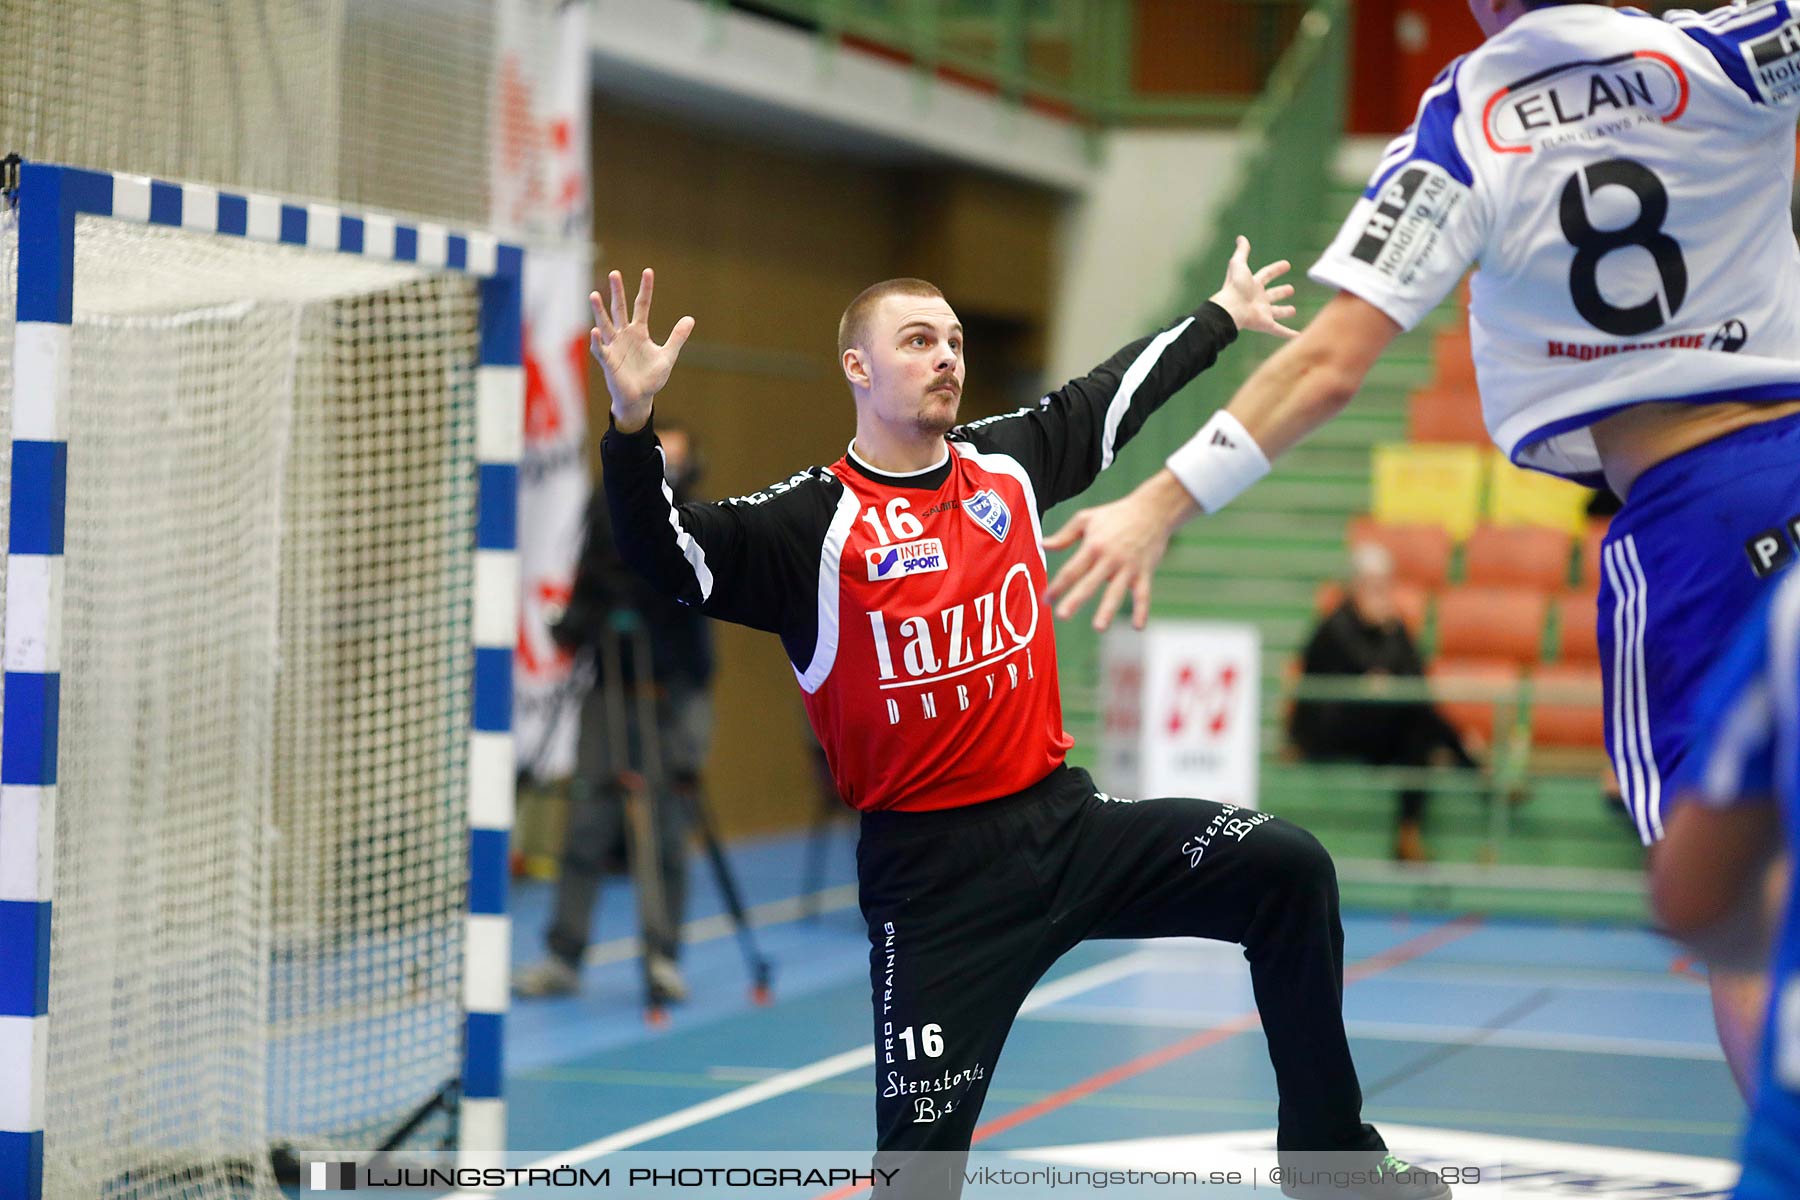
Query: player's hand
x=636, y=368
x=1121, y=545
x=1247, y=296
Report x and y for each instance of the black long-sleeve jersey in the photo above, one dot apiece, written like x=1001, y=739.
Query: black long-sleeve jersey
x=913, y=607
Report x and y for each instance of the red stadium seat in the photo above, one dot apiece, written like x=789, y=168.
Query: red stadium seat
x=1577, y=641
x=1566, y=707
x=1421, y=553
x=1475, y=720
x=1517, y=556
x=1455, y=362
x=1446, y=414
x=1492, y=624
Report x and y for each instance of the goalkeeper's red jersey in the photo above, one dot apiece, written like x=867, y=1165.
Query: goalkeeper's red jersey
x=913, y=607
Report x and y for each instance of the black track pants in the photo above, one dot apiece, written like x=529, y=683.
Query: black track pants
x=968, y=907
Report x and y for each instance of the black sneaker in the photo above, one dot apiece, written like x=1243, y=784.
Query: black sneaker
x=1389, y=1178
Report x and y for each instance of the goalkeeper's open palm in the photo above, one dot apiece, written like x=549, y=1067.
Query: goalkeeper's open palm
x=636, y=368
x=1249, y=297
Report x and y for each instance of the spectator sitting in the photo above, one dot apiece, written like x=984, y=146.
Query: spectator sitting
x=1364, y=636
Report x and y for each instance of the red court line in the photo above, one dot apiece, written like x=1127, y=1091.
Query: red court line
x=1375, y=964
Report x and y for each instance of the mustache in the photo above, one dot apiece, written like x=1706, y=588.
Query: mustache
x=946, y=380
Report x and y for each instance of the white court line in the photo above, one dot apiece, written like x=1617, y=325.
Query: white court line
x=1390, y=1031
x=829, y=1067
x=1644, y=981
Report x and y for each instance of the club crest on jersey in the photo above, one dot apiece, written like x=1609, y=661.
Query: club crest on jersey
x=989, y=511
x=908, y=558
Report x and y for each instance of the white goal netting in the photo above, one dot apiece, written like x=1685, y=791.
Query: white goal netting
x=261, y=825
x=374, y=104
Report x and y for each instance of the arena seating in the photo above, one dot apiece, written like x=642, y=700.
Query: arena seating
x=1498, y=568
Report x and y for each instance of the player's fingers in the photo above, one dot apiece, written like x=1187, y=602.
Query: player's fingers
x=1282, y=331
x=1070, y=571
x=615, y=284
x=1240, y=257
x=1109, y=603
x=596, y=341
x=1083, y=589
x=1274, y=270
x=602, y=321
x=1277, y=294
x=1140, y=600
x=640, y=308
x=1282, y=312
x=1069, y=534
x=678, y=336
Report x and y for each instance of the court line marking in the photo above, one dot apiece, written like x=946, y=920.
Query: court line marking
x=1387, y=959
x=1443, y=1052
x=1129, y=963
x=1658, y=980
x=1392, y=1031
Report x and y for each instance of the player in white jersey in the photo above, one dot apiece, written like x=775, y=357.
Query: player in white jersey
x=1623, y=183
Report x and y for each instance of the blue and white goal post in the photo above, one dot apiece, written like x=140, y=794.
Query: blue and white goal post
x=473, y=585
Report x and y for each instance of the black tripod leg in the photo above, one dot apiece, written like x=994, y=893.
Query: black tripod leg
x=753, y=959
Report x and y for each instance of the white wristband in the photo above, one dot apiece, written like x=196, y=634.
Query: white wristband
x=1219, y=462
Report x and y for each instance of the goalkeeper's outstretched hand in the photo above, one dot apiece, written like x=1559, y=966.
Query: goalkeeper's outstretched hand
x=636, y=368
x=1249, y=298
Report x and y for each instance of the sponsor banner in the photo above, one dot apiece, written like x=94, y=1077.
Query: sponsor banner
x=541, y=197
x=553, y=496
x=1181, y=711
x=538, y=161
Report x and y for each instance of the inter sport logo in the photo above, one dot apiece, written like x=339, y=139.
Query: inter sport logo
x=908, y=558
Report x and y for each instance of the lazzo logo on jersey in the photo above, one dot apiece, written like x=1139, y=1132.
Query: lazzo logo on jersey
x=989, y=511
x=908, y=558
x=1408, y=217
x=975, y=651
x=1582, y=101
x=1774, y=61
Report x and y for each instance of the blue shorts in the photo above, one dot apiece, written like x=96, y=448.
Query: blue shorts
x=1681, y=567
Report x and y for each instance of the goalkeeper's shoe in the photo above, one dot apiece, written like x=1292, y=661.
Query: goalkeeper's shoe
x=1339, y=1177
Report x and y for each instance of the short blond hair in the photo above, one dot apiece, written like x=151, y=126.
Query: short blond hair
x=853, y=326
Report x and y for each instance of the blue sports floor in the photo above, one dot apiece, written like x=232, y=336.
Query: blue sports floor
x=1580, y=1058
